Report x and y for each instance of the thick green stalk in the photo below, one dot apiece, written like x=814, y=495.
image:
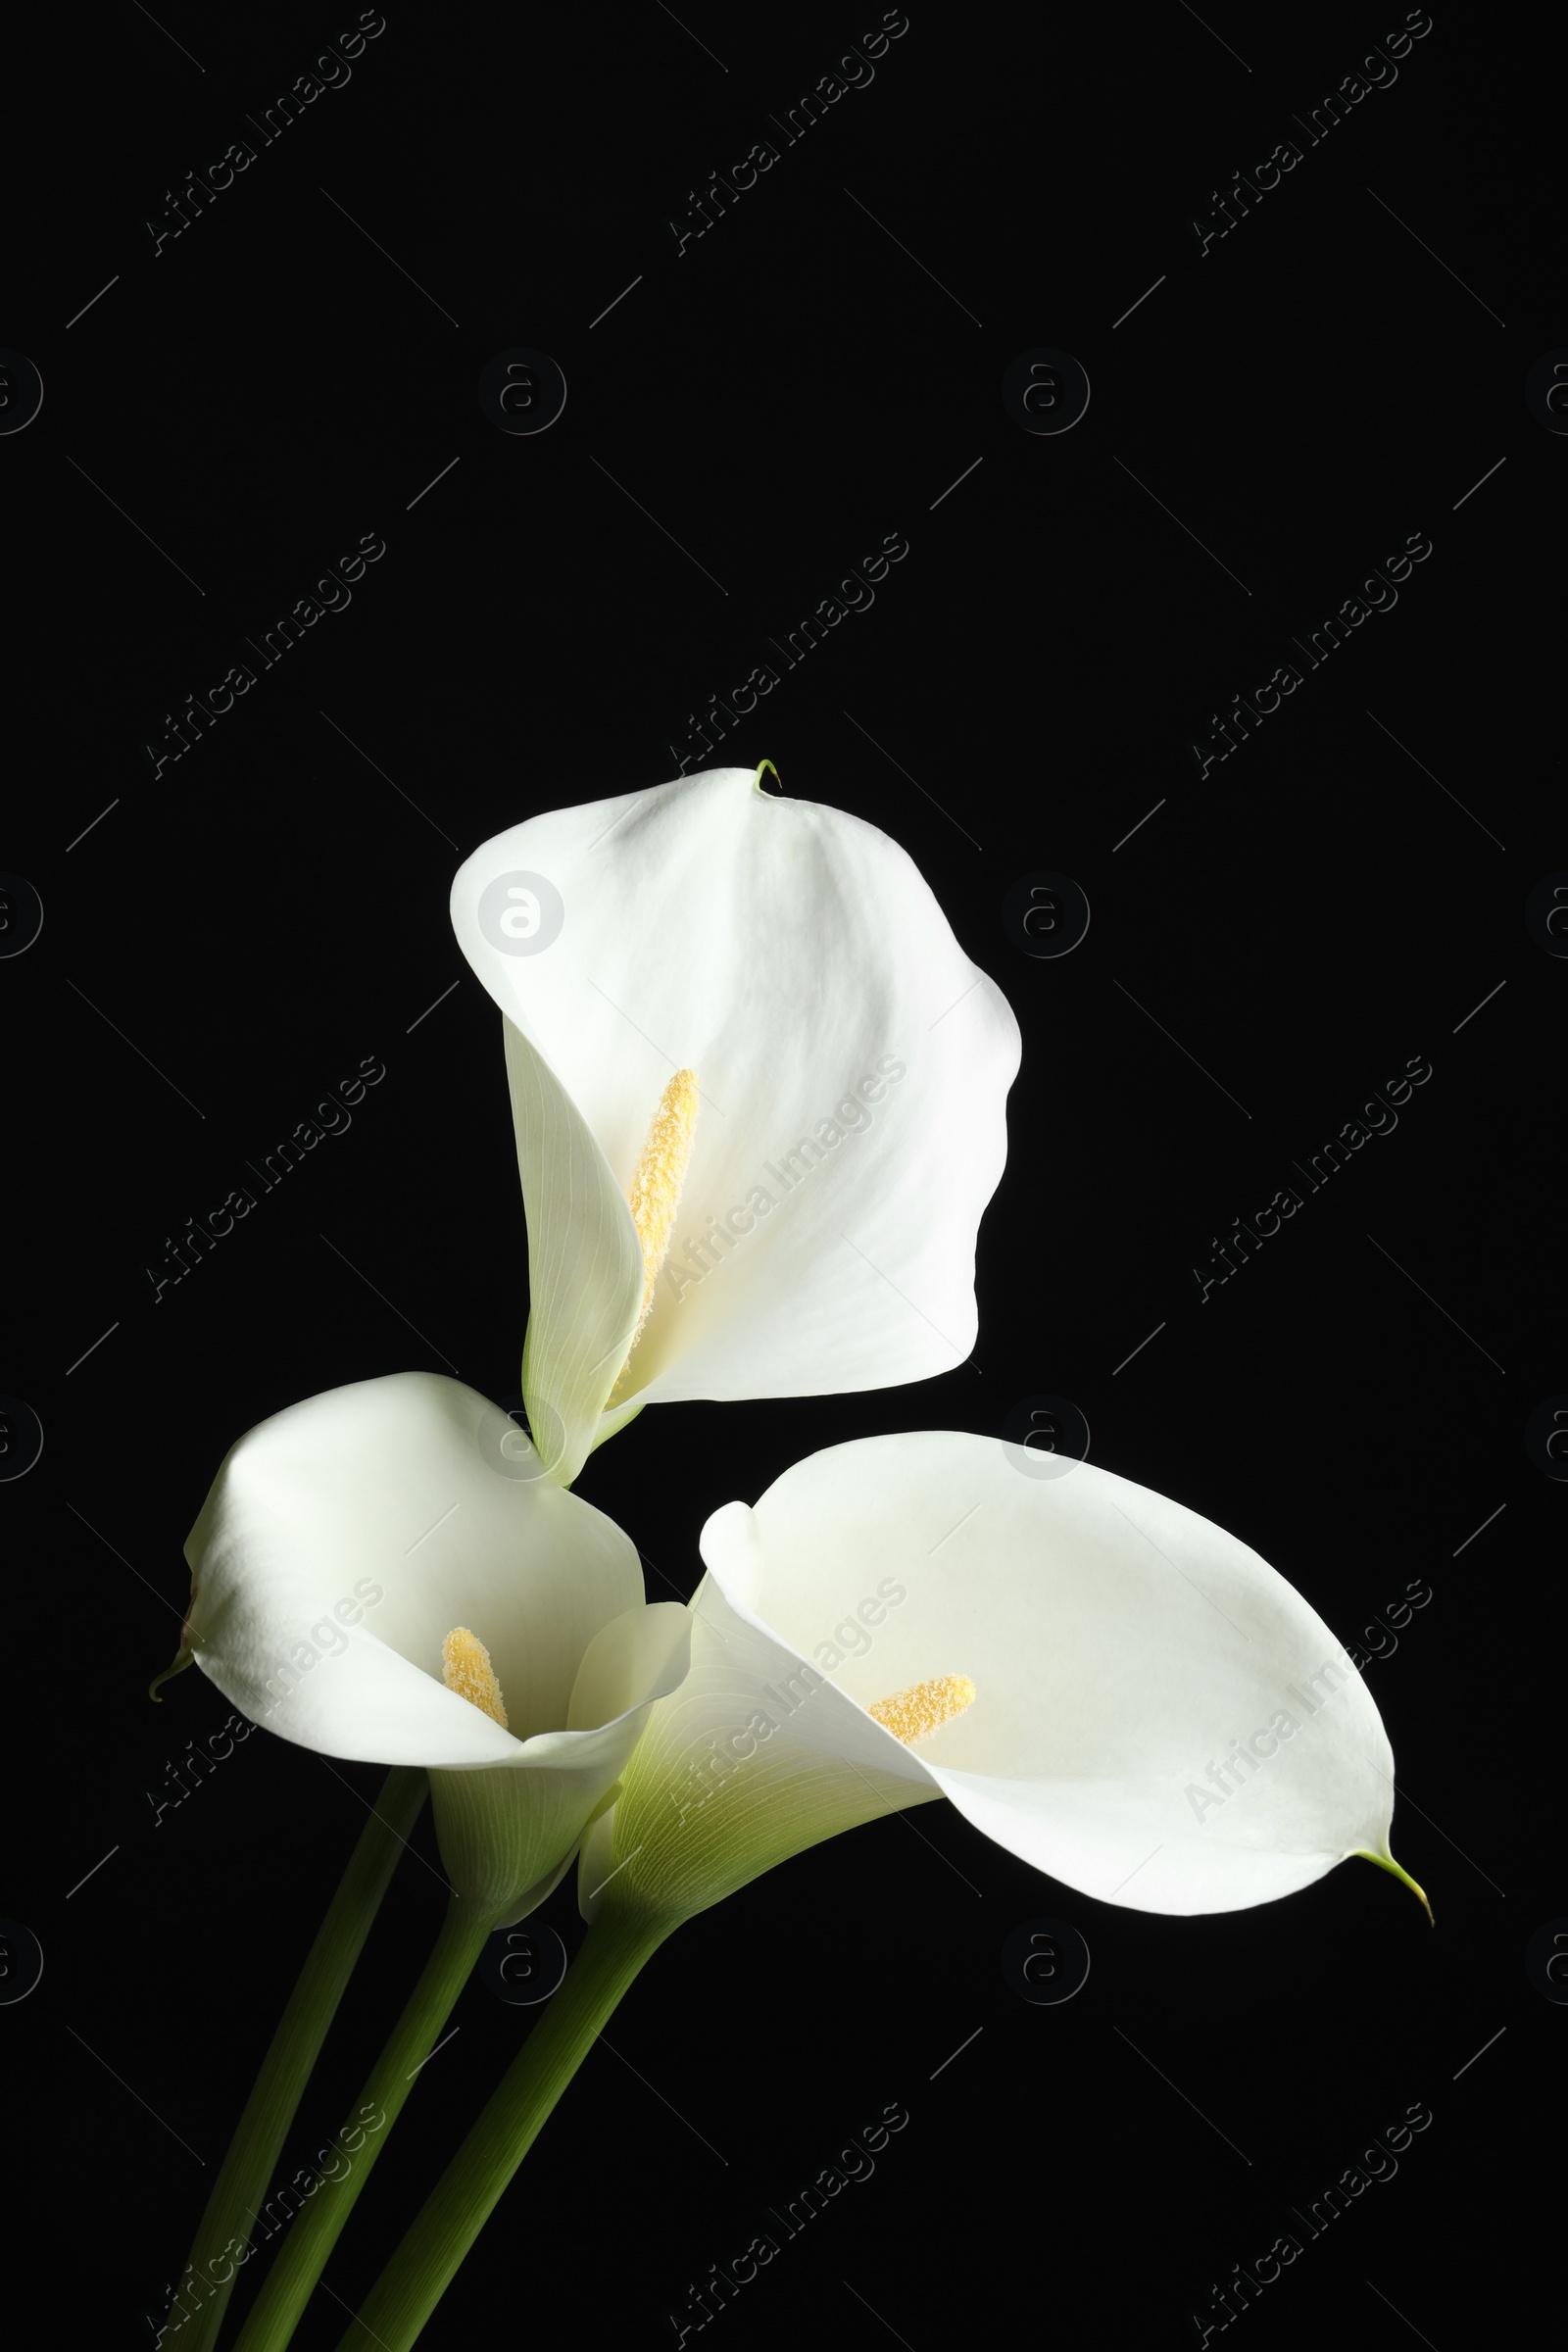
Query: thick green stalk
x=457, y=2210
x=314, y=2232
x=259, y=2136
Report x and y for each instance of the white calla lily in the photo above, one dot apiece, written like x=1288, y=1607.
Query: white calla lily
x=1106, y=1684
x=759, y=1096
x=383, y=1573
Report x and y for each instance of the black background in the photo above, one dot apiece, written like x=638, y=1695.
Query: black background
x=261, y=914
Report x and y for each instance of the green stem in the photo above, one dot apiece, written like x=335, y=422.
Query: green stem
x=315, y=2231
x=292, y=2053
x=457, y=2210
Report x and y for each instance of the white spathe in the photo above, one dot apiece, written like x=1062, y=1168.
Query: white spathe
x=1160, y=1719
x=851, y=1066
x=347, y=1536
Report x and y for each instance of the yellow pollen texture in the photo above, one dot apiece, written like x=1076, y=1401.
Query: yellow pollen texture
x=467, y=1669
x=657, y=1181
x=911, y=1714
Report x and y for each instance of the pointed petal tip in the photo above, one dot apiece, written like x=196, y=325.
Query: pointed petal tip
x=1388, y=1863
x=181, y=1659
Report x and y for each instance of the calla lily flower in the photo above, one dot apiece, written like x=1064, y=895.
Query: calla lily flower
x=1104, y=1683
x=383, y=1573
x=758, y=1093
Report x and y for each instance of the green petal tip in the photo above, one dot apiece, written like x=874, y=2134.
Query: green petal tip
x=1388, y=1863
x=758, y=786
x=182, y=1660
